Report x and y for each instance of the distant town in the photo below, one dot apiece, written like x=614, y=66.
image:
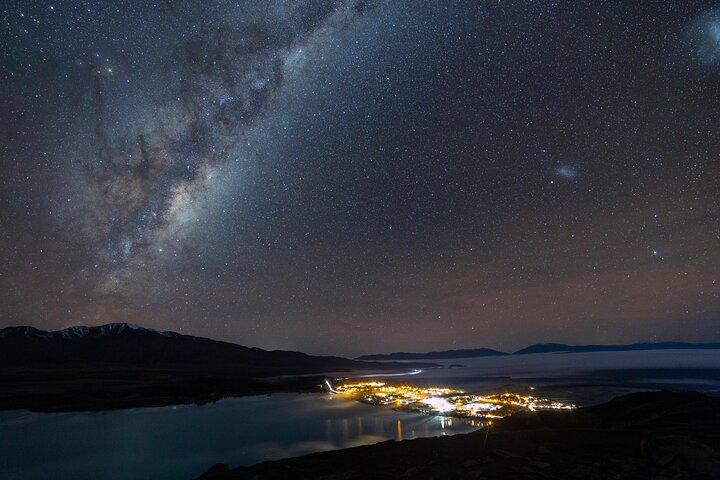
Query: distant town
x=443, y=401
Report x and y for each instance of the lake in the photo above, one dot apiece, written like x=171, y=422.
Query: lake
x=180, y=442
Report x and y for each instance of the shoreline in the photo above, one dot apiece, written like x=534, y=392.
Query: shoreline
x=91, y=390
x=95, y=393
x=639, y=435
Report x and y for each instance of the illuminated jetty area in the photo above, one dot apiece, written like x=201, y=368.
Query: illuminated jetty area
x=444, y=401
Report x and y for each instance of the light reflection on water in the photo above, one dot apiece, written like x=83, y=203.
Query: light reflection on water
x=181, y=442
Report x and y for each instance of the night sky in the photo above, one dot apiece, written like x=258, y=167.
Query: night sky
x=363, y=176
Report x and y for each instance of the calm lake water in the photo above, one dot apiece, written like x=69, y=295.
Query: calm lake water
x=181, y=442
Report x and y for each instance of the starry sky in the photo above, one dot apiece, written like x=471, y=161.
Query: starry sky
x=363, y=176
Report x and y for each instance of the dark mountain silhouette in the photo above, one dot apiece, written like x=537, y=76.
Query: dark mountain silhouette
x=540, y=348
x=560, y=347
x=463, y=353
x=121, y=365
x=123, y=344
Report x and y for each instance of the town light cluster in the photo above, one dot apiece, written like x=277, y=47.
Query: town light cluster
x=444, y=401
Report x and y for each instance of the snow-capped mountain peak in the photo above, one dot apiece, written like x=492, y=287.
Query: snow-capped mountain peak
x=76, y=332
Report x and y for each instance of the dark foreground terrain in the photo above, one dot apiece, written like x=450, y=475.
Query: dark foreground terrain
x=654, y=435
x=121, y=365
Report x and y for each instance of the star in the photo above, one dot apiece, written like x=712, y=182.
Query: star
x=308, y=203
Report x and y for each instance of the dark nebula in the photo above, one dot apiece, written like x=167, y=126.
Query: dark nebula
x=363, y=176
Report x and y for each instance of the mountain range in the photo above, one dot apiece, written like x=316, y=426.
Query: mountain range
x=128, y=345
x=122, y=365
x=462, y=353
x=541, y=348
x=561, y=347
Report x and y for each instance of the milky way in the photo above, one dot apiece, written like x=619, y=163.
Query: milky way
x=361, y=176
x=149, y=183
